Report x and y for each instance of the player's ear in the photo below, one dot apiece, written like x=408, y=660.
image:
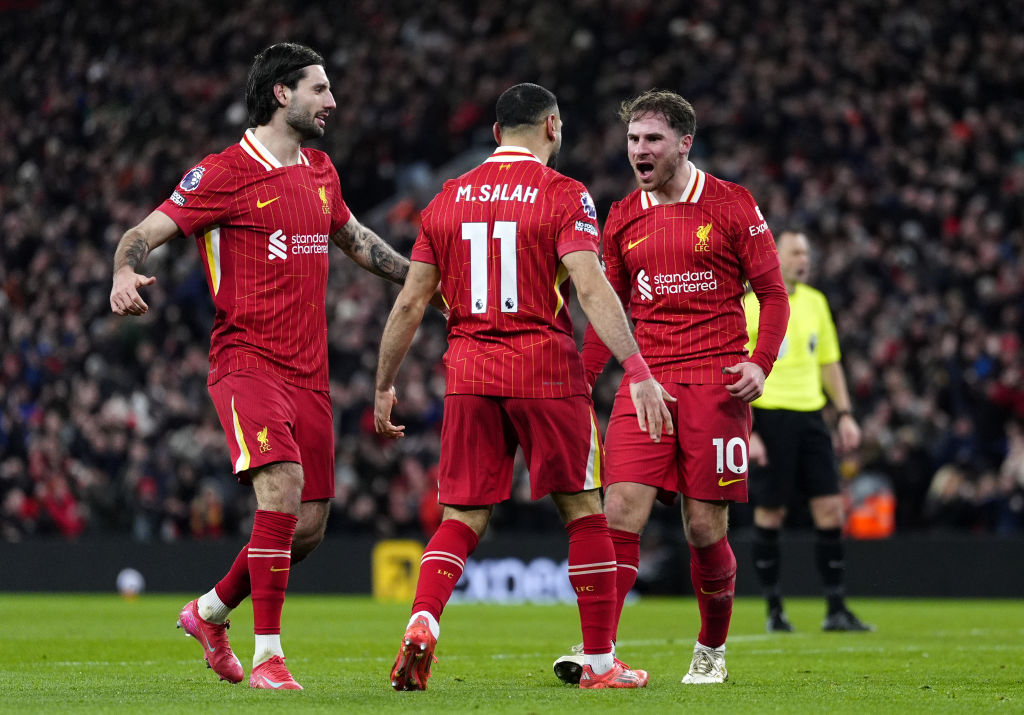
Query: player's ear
x=281, y=94
x=685, y=143
x=497, y=133
x=552, y=127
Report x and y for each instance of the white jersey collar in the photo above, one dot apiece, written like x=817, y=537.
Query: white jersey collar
x=255, y=148
x=508, y=153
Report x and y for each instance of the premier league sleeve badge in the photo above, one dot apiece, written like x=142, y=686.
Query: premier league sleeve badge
x=192, y=179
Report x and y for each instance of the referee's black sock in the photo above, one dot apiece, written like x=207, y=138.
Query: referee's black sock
x=831, y=559
x=766, y=564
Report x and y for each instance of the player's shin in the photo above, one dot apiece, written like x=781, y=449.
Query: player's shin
x=443, y=562
x=269, y=565
x=592, y=575
x=627, y=561
x=713, y=571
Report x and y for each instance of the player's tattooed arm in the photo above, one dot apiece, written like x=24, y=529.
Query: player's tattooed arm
x=131, y=250
x=371, y=251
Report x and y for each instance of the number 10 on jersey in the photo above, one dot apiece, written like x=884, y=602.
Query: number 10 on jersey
x=505, y=233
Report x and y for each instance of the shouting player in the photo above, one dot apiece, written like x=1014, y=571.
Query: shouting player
x=262, y=213
x=678, y=250
x=503, y=240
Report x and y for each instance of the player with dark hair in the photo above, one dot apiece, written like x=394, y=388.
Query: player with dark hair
x=503, y=240
x=262, y=213
x=791, y=447
x=678, y=251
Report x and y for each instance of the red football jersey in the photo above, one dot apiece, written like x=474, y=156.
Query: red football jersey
x=681, y=269
x=497, y=234
x=263, y=231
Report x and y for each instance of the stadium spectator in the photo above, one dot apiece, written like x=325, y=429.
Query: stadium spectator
x=513, y=374
x=791, y=447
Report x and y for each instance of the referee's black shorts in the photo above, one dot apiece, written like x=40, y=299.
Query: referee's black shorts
x=801, y=459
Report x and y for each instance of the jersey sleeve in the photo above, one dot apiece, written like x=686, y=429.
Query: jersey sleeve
x=755, y=244
x=752, y=310
x=204, y=197
x=576, y=217
x=828, y=348
x=423, y=249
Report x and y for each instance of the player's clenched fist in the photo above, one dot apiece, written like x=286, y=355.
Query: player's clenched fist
x=750, y=384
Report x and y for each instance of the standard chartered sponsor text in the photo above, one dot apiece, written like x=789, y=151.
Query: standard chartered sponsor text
x=309, y=243
x=687, y=282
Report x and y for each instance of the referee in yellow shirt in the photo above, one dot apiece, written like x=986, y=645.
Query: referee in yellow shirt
x=791, y=447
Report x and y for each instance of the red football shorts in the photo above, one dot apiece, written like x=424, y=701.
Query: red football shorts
x=479, y=436
x=707, y=458
x=269, y=420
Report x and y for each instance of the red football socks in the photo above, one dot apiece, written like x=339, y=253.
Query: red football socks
x=592, y=575
x=442, y=565
x=235, y=586
x=627, y=560
x=269, y=556
x=713, y=572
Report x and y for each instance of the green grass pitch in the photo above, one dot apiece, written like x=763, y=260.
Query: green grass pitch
x=99, y=653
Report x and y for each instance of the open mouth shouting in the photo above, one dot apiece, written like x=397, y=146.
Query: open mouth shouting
x=644, y=171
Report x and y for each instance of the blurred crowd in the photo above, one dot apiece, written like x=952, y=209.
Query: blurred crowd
x=891, y=131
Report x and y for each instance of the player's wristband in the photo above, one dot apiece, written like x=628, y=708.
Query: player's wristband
x=636, y=368
x=841, y=414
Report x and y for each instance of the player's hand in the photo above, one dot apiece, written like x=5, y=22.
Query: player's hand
x=124, y=296
x=847, y=434
x=652, y=414
x=383, y=401
x=750, y=384
x=756, y=450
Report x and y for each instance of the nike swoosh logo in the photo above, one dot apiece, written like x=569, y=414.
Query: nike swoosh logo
x=633, y=244
x=710, y=593
x=208, y=646
x=261, y=204
x=731, y=481
x=272, y=684
x=276, y=570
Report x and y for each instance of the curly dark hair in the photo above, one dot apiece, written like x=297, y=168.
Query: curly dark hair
x=284, y=63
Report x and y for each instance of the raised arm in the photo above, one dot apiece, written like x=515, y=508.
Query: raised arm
x=604, y=310
x=136, y=243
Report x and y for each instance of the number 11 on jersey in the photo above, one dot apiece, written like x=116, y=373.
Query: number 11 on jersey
x=476, y=234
